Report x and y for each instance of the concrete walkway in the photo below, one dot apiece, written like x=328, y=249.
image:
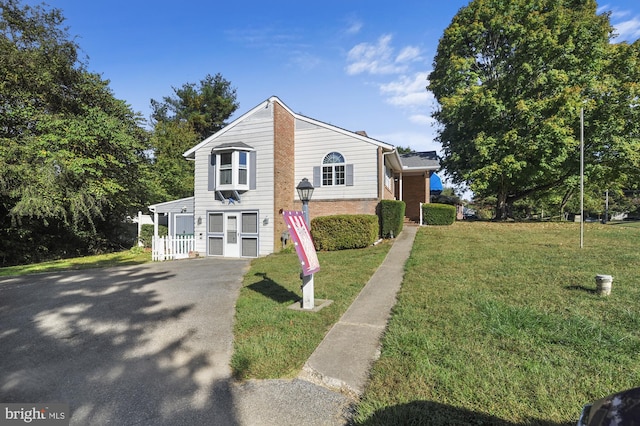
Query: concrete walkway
x=343, y=360
x=335, y=375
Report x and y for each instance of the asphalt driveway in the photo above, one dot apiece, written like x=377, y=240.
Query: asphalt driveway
x=146, y=344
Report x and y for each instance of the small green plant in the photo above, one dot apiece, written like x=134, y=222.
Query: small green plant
x=146, y=234
x=391, y=217
x=438, y=214
x=340, y=232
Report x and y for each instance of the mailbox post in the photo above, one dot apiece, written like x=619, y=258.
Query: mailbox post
x=305, y=190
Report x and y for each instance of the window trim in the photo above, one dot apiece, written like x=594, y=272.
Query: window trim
x=333, y=173
x=237, y=154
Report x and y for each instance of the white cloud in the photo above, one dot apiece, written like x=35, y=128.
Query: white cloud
x=408, y=91
x=628, y=30
x=408, y=54
x=422, y=119
x=380, y=58
x=354, y=27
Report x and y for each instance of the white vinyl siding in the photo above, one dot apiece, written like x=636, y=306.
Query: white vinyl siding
x=256, y=131
x=313, y=143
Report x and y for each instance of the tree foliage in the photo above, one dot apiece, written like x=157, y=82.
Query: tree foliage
x=180, y=121
x=511, y=78
x=72, y=156
x=205, y=106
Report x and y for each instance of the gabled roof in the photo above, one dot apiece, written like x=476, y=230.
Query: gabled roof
x=419, y=161
x=359, y=135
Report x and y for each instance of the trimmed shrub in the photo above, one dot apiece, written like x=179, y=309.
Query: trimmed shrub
x=438, y=214
x=146, y=234
x=391, y=217
x=341, y=232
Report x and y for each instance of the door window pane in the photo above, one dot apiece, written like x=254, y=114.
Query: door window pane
x=215, y=222
x=232, y=230
x=249, y=223
x=216, y=246
x=250, y=247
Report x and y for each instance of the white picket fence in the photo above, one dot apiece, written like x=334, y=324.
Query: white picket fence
x=170, y=248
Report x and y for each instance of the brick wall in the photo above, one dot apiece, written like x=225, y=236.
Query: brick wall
x=415, y=191
x=333, y=207
x=283, y=167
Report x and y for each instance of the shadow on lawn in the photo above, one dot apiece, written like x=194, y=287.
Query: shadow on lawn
x=271, y=289
x=436, y=414
x=581, y=288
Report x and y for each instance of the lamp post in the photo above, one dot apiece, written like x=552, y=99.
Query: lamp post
x=305, y=190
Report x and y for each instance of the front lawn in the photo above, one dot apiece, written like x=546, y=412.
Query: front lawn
x=273, y=341
x=128, y=257
x=499, y=323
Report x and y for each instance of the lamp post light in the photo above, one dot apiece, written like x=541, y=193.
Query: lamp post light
x=305, y=190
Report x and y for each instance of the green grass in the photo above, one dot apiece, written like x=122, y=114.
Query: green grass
x=272, y=341
x=500, y=324
x=129, y=257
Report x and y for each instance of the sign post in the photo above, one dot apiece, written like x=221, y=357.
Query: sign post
x=299, y=231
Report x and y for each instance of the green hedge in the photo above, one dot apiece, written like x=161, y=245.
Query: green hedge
x=146, y=233
x=341, y=232
x=391, y=217
x=438, y=214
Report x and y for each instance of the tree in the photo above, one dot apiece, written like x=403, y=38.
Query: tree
x=191, y=115
x=204, y=107
x=72, y=156
x=511, y=78
x=173, y=174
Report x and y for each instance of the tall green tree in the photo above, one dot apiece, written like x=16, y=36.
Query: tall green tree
x=205, y=106
x=511, y=77
x=72, y=156
x=193, y=113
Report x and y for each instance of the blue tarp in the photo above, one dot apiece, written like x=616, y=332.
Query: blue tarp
x=435, y=184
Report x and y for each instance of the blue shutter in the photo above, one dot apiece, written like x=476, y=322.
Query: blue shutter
x=252, y=170
x=349, y=177
x=212, y=172
x=316, y=177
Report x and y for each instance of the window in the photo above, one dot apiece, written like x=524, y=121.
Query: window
x=388, y=177
x=242, y=168
x=226, y=168
x=232, y=168
x=333, y=169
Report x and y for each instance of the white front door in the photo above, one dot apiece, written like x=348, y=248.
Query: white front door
x=232, y=244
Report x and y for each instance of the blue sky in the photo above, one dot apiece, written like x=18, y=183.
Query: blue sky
x=357, y=64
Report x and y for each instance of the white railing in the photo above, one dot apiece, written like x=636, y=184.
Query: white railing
x=170, y=248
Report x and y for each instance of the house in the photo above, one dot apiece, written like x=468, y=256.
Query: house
x=246, y=175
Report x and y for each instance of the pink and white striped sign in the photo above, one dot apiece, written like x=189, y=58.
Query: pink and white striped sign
x=302, y=240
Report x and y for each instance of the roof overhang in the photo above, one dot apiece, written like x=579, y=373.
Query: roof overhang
x=174, y=206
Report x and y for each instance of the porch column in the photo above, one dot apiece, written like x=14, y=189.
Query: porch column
x=155, y=223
